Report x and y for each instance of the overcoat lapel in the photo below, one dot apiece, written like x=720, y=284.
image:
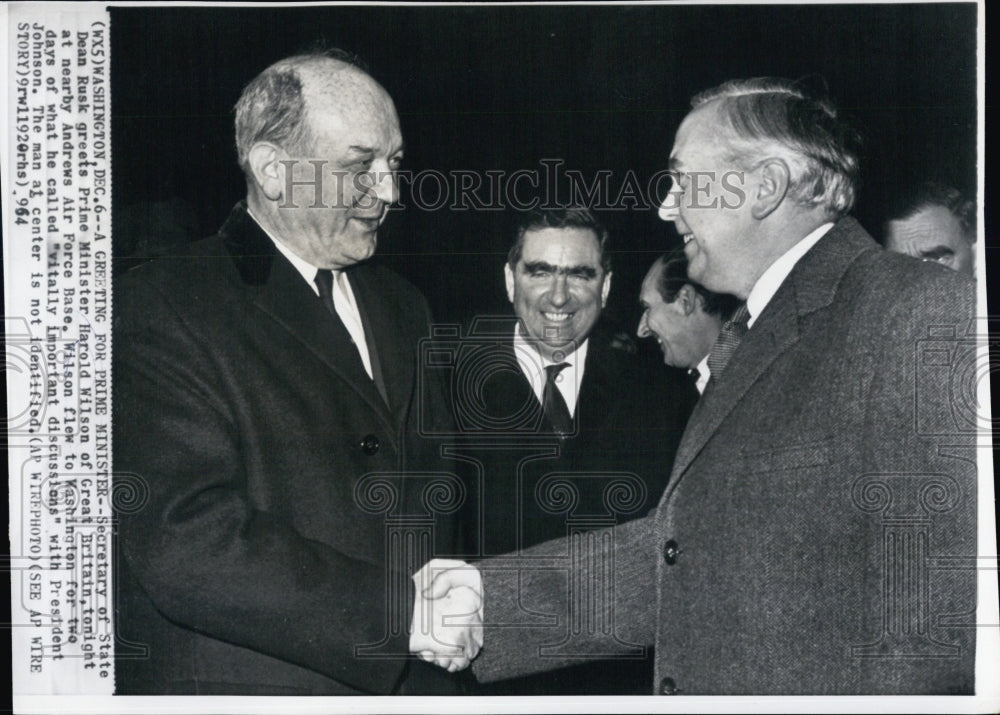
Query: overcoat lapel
x=811, y=285
x=510, y=392
x=601, y=380
x=775, y=332
x=278, y=290
x=388, y=342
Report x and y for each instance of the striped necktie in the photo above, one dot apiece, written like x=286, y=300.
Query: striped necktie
x=729, y=339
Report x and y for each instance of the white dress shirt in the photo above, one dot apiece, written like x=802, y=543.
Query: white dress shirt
x=769, y=282
x=533, y=366
x=704, y=372
x=343, y=296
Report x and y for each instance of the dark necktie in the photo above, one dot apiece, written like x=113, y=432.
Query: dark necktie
x=729, y=338
x=553, y=403
x=324, y=283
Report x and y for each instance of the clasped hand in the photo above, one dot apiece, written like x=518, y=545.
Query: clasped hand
x=447, y=626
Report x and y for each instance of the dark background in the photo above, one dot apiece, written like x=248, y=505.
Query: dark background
x=501, y=88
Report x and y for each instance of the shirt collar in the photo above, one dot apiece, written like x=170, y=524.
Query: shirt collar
x=522, y=346
x=533, y=366
x=769, y=282
x=704, y=372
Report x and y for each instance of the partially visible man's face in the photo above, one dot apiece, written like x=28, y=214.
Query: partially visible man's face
x=932, y=234
x=558, y=288
x=675, y=331
x=358, y=141
x=708, y=204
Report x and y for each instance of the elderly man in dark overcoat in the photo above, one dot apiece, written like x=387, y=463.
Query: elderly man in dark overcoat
x=266, y=413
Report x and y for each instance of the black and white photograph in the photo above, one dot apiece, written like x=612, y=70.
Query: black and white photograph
x=620, y=357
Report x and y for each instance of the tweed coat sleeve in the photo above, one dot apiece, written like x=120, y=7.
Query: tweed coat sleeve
x=211, y=558
x=920, y=398
x=535, y=603
x=918, y=477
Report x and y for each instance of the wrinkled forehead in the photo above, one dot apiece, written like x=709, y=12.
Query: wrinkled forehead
x=649, y=291
x=935, y=225
x=653, y=274
x=338, y=95
x=703, y=129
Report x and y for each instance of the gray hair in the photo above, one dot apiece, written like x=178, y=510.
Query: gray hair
x=272, y=107
x=767, y=114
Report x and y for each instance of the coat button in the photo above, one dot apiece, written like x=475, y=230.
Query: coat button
x=668, y=687
x=369, y=444
x=670, y=552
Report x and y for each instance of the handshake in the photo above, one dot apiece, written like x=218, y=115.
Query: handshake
x=447, y=626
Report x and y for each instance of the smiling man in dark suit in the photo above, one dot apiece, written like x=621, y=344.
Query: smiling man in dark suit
x=590, y=428
x=265, y=405
x=578, y=384
x=818, y=533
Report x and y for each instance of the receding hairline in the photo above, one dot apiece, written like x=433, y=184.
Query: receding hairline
x=327, y=80
x=656, y=267
x=773, y=116
x=723, y=131
x=331, y=86
x=656, y=275
x=653, y=277
x=720, y=129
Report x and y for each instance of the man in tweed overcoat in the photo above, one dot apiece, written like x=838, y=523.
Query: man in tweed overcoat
x=818, y=532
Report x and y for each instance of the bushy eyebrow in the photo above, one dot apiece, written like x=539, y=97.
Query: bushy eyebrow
x=580, y=271
x=937, y=252
x=371, y=150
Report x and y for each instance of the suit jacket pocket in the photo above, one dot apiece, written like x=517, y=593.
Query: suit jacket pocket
x=801, y=455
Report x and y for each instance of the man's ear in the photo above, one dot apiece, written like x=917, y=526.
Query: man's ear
x=508, y=275
x=687, y=298
x=773, y=187
x=605, y=289
x=267, y=169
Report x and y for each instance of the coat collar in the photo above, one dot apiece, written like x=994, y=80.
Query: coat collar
x=603, y=377
x=251, y=249
x=811, y=286
x=277, y=288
